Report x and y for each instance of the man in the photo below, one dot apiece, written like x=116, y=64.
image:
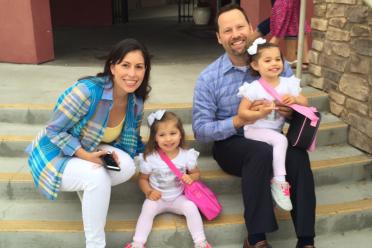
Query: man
x=215, y=119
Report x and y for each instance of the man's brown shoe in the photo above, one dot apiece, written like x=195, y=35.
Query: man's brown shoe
x=261, y=244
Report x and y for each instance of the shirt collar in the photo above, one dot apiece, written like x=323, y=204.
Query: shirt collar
x=227, y=65
x=107, y=89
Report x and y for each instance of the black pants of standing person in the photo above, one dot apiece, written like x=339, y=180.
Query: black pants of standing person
x=252, y=160
x=264, y=26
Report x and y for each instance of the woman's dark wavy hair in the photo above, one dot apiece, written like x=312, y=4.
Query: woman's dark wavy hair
x=116, y=55
x=151, y=145
x=256, y=56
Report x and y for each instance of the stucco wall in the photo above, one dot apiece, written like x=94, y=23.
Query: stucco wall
x=25, y=31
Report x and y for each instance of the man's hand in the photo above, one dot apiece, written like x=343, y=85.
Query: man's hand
x=238, y=122
x=284, y=110
x=267, y=108
x=258, y=104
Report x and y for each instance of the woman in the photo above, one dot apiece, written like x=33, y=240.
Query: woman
x=95, y=116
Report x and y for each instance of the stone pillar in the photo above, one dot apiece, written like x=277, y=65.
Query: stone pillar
x=25, y=31
x=341, y=63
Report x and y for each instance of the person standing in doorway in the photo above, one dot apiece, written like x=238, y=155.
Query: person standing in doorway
x=284, y=22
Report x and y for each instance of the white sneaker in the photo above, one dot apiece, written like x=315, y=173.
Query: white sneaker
x=281, y=194
x=203, y=244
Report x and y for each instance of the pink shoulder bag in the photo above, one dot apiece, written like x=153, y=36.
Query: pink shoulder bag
x=197, y=192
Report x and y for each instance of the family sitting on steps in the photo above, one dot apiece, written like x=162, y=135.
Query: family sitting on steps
x=101, y=116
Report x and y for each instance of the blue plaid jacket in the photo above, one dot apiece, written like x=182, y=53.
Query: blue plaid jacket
x=79, y=119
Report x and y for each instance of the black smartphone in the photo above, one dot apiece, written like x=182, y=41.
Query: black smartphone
x=109, y=162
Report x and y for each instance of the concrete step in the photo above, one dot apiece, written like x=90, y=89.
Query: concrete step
x=356, y=239
x=54, y=222
x=39, y=113
x=330, y=164
x=16, y=136
x=35, y=209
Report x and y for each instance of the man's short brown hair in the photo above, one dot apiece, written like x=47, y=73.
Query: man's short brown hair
x=226, y=8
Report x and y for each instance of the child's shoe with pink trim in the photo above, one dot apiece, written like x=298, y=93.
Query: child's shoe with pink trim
x=281, y=194
x=134, y=245
x=203, y=244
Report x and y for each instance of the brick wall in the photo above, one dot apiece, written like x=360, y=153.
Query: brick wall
x=341, y=63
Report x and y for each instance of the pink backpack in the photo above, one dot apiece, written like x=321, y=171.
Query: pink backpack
x=197, y=192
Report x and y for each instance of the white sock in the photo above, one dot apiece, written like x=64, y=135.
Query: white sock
x=280, y=178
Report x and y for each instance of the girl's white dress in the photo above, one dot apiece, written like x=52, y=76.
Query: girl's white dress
x=254, y=91
x=162, y=178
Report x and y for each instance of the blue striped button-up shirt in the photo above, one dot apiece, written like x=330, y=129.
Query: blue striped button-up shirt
x=215, y=100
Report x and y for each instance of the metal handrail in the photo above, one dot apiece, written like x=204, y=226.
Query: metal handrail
x=301, y=35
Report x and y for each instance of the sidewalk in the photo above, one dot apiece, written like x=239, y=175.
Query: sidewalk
x=180, y=52
x=42, y=84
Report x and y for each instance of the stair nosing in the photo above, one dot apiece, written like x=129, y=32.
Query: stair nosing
x=50, y=106
x=175, y=222
x=21, y=177
x=148, y=106
x=189, y=137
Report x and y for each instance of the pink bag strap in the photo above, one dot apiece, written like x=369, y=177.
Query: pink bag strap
x=170, y=164
x=306, y=111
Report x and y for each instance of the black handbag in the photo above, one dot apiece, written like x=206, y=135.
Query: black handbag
x=303, y=125
x=301, y=133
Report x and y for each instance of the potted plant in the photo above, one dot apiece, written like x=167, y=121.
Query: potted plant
x=202, y=12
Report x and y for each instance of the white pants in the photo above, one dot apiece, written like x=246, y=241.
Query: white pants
x=181, y=205
x=82, y=175
x=277, y=140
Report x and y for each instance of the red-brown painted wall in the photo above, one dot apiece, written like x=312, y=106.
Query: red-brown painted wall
x=259, y=10
x=78, y=13
x=26, y=34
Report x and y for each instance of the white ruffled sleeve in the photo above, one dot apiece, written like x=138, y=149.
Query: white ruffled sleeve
x=192, y=157
x=144, y=165
x=293, y=85
x=247, y=91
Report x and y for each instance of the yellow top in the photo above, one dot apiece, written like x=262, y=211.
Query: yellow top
x=112, y=133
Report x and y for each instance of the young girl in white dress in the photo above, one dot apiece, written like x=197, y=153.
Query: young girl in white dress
x=162, y=188
x=267, y=62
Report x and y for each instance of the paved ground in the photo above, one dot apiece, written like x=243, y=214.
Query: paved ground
x=180, y=51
